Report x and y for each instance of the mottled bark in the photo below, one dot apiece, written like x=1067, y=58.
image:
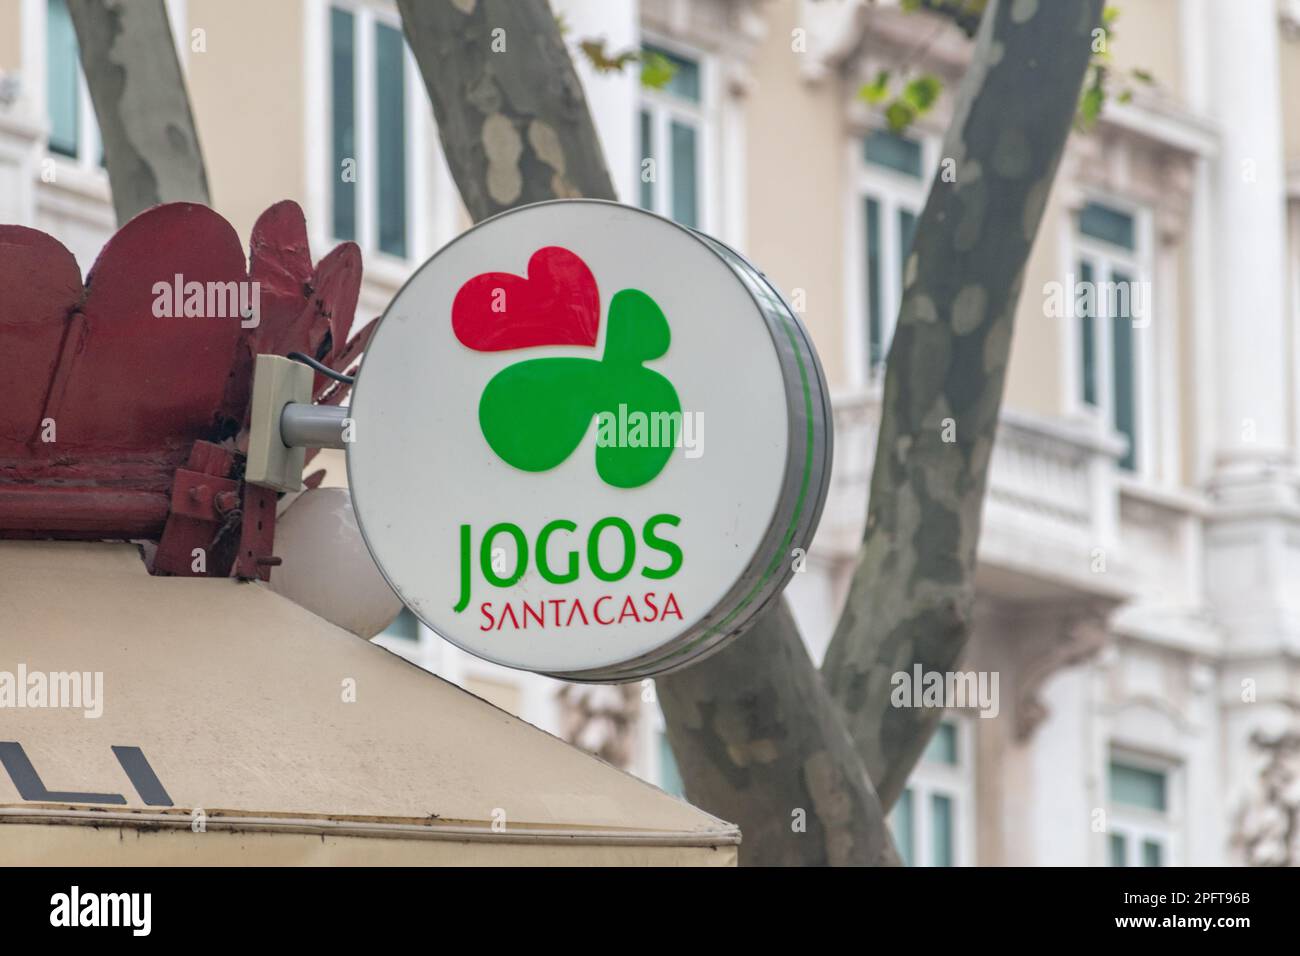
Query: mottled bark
x=911, y=594
x=151, y=146
x=511, y=113
x=758, y=738
x=759, y=743
x=752, y=728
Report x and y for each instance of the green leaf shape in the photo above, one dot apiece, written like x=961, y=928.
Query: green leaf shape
x=533, y=414
x=651, y=403
x=921, y=92
x=877, y=90
x=603, y=61
x=899, y=115
x=657, y=71
x=638, y=331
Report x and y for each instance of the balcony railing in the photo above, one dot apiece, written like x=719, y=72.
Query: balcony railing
x=1056, y=510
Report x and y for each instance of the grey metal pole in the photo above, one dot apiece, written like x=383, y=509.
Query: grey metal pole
x=312, y=426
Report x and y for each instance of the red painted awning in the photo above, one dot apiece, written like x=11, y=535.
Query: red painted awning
x=105, y=398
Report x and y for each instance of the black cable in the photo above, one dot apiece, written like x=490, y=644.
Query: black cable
x=323, y=369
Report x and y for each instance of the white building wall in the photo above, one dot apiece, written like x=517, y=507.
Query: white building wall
x=1063, y=785
x=611, y=97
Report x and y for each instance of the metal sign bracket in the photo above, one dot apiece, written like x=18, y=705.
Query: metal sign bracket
x=284, y=423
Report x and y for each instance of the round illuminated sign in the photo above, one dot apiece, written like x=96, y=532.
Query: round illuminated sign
x=588, y=442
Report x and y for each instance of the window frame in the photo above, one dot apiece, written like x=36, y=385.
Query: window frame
x=1137, y=824
x=89, y=140
x=660, y=765
x=34, y=54
x=664, y=108
x=954, y=781
x=367, y=16
x=893, y=191
x=413, y=641
x=652, y=735
x=1138, y=263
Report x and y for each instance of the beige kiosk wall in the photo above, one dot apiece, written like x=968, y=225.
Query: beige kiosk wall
x=236, y=698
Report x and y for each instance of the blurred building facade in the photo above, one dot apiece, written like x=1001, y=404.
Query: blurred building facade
x=1142, y=527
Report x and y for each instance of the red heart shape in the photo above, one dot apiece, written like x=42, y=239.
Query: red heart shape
x=557, y=304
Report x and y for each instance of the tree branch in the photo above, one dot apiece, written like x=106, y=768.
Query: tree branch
x=752, y=728
x=911, y=595
x=151, y=146
x=511, y=113
x=759, y=742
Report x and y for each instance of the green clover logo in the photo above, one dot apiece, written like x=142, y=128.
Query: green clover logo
x=535, y=413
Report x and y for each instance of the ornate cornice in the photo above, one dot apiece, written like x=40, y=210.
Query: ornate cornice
x=1119, y=160
x=841, y=35
x=1267, y=826
x=1288, y=18
x=732, y=29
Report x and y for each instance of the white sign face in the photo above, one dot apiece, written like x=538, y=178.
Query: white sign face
x=588, y=442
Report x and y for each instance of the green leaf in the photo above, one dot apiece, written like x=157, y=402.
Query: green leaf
x=657, y=71
x=1090, y=105
x=594, y=51
x=1144, y=76
x=877, y=90
x=922, y=92
x=1105, y=56
x=534, y=414
x=899, y=114
x=1109, y=15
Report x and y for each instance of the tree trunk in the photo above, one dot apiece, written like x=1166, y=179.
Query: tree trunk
x=511, y=113
x=759, y=743
x=151, y=146
x=911, y=595
x=799, y=760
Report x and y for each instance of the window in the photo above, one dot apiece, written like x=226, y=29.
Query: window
x=892, y=191
x=390, y=127
x=62, y=76
x=69, y=111
x=670, y=777
x=342, y=85
x=927, y=821
x=1111, y=305
x=404, y=627
x=902, y=822
x=671, y=130
x=368, y=134
x=892, y=151
x=1140, y=826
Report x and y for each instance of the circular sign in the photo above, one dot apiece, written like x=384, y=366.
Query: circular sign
x=588, y=442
